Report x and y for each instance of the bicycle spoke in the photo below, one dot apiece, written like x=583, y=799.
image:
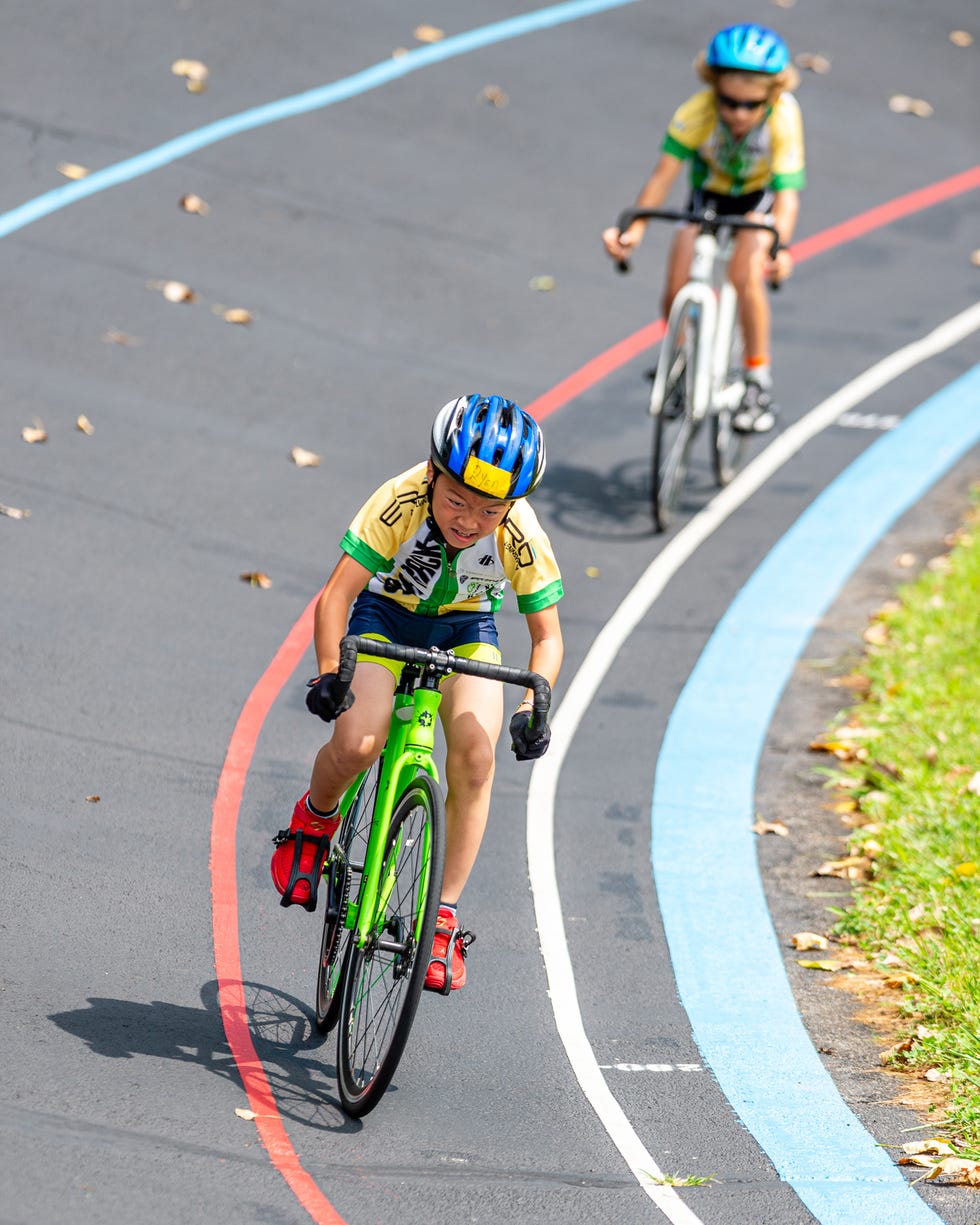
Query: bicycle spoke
x=341, y=870
x=385, y=977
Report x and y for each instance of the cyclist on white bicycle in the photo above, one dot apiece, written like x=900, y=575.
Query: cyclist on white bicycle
x=425, y=563
x=742, y=139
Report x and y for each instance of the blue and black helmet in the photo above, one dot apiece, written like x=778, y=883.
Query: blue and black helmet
x=490, y=445
x=747, y=48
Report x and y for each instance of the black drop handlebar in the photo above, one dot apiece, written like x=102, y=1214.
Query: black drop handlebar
x=429, y=659
x=707, y=219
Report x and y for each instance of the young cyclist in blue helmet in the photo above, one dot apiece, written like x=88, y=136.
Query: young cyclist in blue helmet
x=425, y=562
x=742, y=140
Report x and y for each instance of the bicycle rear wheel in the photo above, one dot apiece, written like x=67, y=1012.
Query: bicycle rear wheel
x=341, y=871
x=674, y=424
x=384, y=979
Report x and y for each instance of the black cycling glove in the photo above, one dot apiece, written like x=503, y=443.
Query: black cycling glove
x=328, y=697
x=528, y=743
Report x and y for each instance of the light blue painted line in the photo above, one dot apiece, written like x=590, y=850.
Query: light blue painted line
x=298, y=104
x=726, y=955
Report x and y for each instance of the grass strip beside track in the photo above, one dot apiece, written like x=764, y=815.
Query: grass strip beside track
x=913, y=774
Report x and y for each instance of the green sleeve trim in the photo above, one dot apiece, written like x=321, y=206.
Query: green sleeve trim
x=784, y=182
x=364, y=554
x=541, y=599
x=674, y=147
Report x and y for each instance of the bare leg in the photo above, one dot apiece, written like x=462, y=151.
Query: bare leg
x=472, y=715
x=746, y=272
x=358, y=736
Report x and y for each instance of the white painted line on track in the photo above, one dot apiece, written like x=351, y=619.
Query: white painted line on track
x=581, y=691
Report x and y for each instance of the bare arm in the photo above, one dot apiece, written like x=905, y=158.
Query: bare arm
x=547, y=648
x=333, y=608
x=654, y=194
x=785, y=210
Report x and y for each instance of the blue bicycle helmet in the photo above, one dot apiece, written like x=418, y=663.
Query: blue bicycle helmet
x=490, y=445
x=747, y=48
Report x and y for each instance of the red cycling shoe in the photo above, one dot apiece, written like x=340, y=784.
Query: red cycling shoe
x=447, y=968
x=297, y=861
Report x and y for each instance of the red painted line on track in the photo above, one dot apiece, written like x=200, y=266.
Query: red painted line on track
x=856, y=227
x=241, y=747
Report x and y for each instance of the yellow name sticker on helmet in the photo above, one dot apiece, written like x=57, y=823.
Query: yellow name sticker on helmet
x=480, y=475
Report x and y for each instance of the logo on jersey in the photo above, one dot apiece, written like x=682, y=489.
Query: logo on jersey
x=420, y=568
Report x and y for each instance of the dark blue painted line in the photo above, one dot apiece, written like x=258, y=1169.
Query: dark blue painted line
x=729, y=966
x=298, y=104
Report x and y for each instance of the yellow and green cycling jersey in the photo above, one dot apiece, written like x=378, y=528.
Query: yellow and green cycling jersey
x=394, y=537
x=769, y=156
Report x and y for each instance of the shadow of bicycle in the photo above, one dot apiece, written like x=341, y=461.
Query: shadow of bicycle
x=281, y=1027
x=613, y=505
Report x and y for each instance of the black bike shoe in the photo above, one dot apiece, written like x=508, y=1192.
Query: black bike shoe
x=757, y=412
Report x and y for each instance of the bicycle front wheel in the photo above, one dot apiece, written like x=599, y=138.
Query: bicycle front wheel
x=384, y=979
x=341, y=874
x=675, y=423
x=728, y=446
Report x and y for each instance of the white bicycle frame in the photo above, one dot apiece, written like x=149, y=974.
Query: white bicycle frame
x=718, y=304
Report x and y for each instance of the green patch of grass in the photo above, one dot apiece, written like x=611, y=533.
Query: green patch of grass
x=679, y=1180
x=915, y=777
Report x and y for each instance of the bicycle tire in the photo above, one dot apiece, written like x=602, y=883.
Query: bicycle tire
x=673, y=435
x=728, y=446
x=383, y=981
x=343, y=866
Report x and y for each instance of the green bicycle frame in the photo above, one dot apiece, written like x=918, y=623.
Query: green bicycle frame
x=407, y=753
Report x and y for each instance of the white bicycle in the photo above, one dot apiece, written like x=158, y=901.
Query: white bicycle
x=699, y=371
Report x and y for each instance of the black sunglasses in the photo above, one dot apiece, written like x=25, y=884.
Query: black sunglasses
x=738, y=104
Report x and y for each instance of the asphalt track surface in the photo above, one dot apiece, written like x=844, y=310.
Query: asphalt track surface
x=385, y=246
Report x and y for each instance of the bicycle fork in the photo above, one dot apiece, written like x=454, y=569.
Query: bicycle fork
x=702, y=297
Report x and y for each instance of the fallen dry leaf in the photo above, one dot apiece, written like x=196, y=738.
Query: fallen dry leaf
x=906, y=560
x=194, y=204
x=771, y=827
x=176, y=291
x=194, y=73
x=542, y=284
x=428, y=34
x=592, y=571
x=236, y=314
x=851, y=867
x=85, y=425
x=494, y=95
x=936, y=1074
x=902, y=104
x=804, y=941
x=14, y=512
x=854, y=680
x=247, y=1115
x=830, y=967
x=961, y=38
x=962, y=1169
x=303, y=458
x=814, y=63
x=975, y=258
x=114, y=337
x=35, y=432
x=71, y=170
x=93, y=799
x=399, y=52
x=255, y=578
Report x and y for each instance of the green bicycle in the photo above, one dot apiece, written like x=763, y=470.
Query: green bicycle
x=384, y=872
